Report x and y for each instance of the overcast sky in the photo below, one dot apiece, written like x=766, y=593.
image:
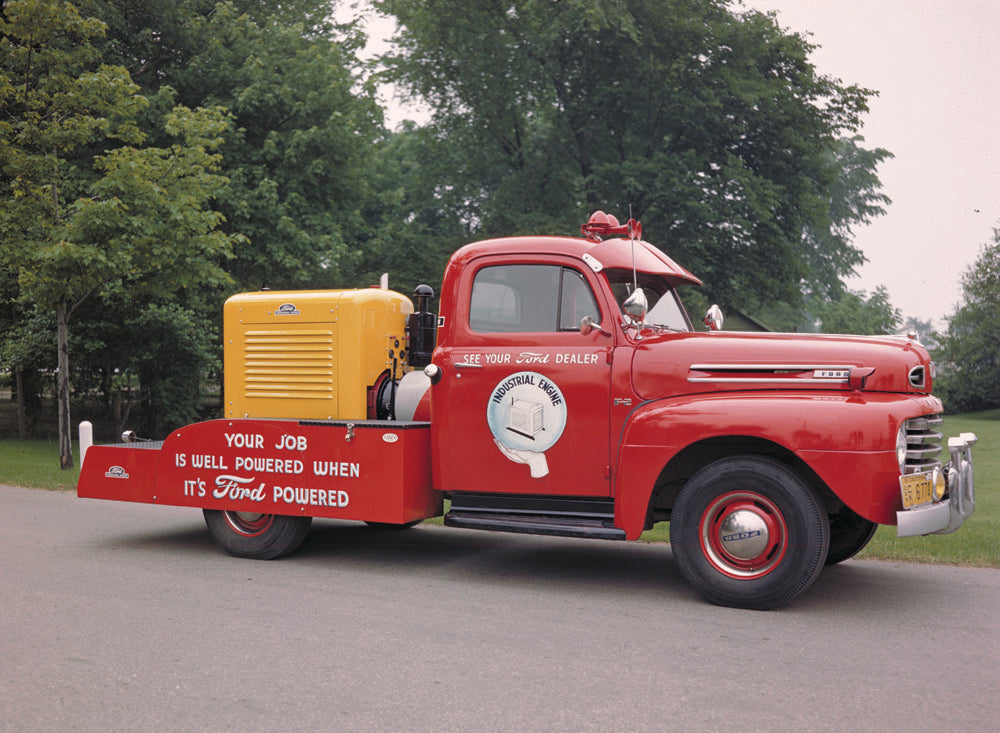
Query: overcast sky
x=936, y=67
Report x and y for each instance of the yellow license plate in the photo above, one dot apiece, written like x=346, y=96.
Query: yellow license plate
x=916, y=489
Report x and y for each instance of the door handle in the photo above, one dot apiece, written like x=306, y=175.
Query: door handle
x=467, y=365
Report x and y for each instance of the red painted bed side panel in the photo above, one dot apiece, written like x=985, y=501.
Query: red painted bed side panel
x=120, y=472
x=380, y=474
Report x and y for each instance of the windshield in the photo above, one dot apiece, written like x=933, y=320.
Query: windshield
x=665, y=307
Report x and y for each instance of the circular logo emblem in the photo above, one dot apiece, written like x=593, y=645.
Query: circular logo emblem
x=526, y=411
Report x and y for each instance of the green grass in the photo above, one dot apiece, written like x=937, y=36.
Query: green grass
x=35, y=463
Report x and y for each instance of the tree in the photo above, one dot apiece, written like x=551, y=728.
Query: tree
x=27, y=337
x=413, y=229
x=712, y=124
x=858, y=312
x=926, y=334
x=969, y=357
x=300, y=151
x=855, y=197
x=74, y=222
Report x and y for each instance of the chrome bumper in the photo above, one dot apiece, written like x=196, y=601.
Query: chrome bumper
x=945, y=516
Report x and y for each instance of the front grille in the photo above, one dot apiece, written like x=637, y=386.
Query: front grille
x=923, y=443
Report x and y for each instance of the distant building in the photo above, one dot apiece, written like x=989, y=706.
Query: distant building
x=737, y=321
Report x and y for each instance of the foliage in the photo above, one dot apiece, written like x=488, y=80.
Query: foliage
x=925, y=332
x=301, y=148
x=26, y=353
x=142, y=224
x=299, y=153
x=54, y=101
x=858, y=312
x=710, y=123
x=74, y=222
x=413, y=230
x=172, y=358
x=147, y=360
x=855, y=197
x=969, y=357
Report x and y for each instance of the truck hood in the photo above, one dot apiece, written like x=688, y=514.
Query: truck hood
x=687, y=363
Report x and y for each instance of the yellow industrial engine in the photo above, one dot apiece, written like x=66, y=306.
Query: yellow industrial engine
x=314, y=355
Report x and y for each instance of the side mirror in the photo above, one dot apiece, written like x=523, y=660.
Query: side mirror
x=713, y=318
x=588, y=324
x=636, y=306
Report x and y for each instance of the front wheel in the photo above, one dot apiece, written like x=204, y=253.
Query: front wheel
x=849, y=534
x=255, y=535
x=747, y=532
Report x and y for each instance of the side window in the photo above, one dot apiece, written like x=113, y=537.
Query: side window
x=576, y=301
x=495, y=306
x=529, y=298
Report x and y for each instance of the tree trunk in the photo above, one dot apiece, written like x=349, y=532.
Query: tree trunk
x=22, y=420
x=121, y=409
x=106, y=379
x=62, y=391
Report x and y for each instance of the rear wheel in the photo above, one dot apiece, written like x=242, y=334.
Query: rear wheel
x=849, y=534
x=747, y=532
x=255, y=535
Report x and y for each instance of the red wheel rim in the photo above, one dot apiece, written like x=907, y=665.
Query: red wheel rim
x=743, y=535
x=249, y=524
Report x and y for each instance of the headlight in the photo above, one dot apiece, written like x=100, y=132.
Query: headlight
x=901, y=447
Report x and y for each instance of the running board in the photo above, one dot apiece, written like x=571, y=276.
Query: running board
x=544, y=515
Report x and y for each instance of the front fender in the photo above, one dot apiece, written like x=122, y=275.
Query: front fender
x=847, y=439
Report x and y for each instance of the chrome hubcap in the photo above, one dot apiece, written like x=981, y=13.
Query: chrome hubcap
x=743, y=535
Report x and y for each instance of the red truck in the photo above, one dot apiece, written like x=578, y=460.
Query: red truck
x=561, y=390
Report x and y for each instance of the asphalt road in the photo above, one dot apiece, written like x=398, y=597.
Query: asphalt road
x=125, y=617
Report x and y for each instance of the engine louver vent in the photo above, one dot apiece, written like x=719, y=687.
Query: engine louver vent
x=289, y=364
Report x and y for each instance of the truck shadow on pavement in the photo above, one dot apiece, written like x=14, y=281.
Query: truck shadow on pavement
x=588, y=566
x=495, y=558
x=563, y=565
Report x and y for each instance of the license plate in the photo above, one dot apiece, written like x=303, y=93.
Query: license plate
x=916, y=489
